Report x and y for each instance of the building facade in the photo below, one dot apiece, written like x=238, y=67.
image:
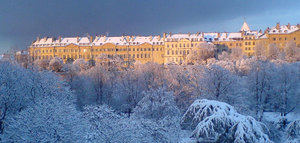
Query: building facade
x=169, y=48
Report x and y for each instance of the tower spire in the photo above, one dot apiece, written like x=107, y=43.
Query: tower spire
x=245, y=26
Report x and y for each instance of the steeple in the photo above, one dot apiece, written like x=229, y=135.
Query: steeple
x=245, y=26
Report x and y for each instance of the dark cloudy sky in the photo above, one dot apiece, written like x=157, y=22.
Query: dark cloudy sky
x=21, y=21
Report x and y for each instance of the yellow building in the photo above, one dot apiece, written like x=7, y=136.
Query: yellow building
x=281, y=35
x=140, y=48
x=178, y=46
x=247, y=39
x=170, y=48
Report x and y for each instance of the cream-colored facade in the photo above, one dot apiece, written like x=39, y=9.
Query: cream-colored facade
x=169, y=48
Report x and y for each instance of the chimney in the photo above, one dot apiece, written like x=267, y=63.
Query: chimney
x=127, y=38
x=37, y=38
x=158, y=37
x=91, y=39
x=151, y=38
x=260, y=31
x=77, y=39
x=218, y=35
x=243, y=33
x=298, y=25
x=164, y=36
x=170, y=33
x=226, y=34
x=189, y=33
x=267, y=30
x=289, y=26
x=277, y=26
x=59, y=39
x=132, y=38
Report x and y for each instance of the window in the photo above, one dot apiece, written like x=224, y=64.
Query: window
x=253, y=43
x=274, y=39
x=168, y=52
x=295, y=38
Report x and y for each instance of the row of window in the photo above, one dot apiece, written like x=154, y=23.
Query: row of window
x=180, y=60
x=175, y=52
x=181, y=45
x=249, y=43
x=248, y=38
x=142, y=55
x=247, y=48
x=87, y=44
x=279, y=39
x=236, y=44
x=97, y=50
x=177, y=39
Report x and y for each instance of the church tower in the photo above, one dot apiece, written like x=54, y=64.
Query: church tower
x=245, y=27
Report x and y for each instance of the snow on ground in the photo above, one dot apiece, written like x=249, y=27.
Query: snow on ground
x=275, y=116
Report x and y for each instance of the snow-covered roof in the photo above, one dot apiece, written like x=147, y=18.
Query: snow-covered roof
x=263, y=36
x=69, y=40
x=100, y=40
x=283, y=29
x=179, y=36
x=84, y=40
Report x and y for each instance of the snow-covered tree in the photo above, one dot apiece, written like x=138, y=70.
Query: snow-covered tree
x=56, y=64
x=217, y=83
x=260, y=50
x=50, y=119
x=81, y=64
x=261, y=85
x=16, y=91
x=107, y=126
x=200, y=54
x=286, y=95
x=42, y=64
x=272, y=52
x=243, y=66
x=156, y=104
x=214, y=121
x=293, y=132
x=292, y=52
